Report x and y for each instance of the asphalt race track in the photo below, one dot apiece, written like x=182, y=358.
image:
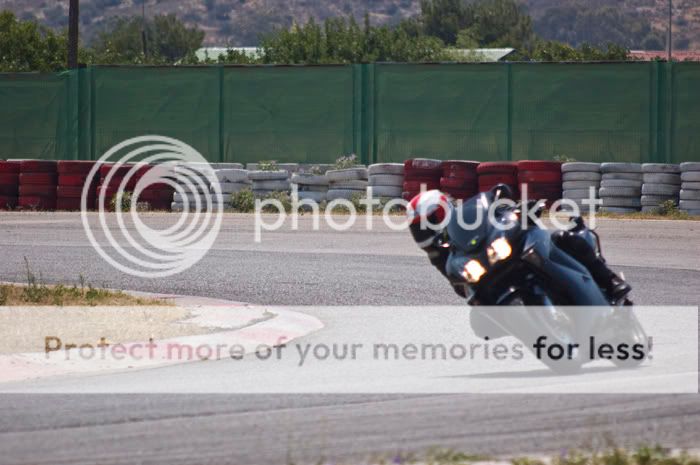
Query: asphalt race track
x=660, y=259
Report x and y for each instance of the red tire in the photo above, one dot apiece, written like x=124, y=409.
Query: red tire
x=9, y=179
x=115, y=182
x=416, y=186
x=422, y=167
x=8, y=202
x=458, y=183
x=408, y=196
x=539, y=165
x=156, y=195
x=71, y=180
x=37, y=202
x=74, y=166
x=11, y=190
x=38, y=178
x=73, y=204
x=72, y=192
x=493, y=179
x=549, y=177
x=43, y=190
x=459, y=169
x=496, y=167
x=460, y=194
x=118, y=170
x=160, y=204
x=37, y=166
x=9, y=167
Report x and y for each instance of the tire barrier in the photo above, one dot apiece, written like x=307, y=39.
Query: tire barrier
x=543, y=180
x=9, y=184
x=661, y=182
x=690, y=188
x=72, y=176
x=156, y=196
x=311, y=186
x=290, y=168
x=492, y=173
x=386, y=180
x=459, y=179
x=266, y=182
x=421, y=173
x=617, y=196
x=346, y=183
x=37, y=185
x=580, y=181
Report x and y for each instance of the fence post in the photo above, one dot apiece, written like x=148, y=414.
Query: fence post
x=221, y=113
x=509, y=112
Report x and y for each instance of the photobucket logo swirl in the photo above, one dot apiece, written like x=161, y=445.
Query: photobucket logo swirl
x=143, y=169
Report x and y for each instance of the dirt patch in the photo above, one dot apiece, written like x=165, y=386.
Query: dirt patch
x=25, y=329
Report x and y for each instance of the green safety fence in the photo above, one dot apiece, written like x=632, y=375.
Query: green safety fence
x=639, y=112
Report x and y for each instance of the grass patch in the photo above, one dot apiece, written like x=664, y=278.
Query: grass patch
x=37, y=293
x=645, y=455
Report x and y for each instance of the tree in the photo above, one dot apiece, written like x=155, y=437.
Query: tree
x=168, y=41
x=340, y=40
x=27, y=46
x=553, y=51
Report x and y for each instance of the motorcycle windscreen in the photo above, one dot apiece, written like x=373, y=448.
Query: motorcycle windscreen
x=468, y=226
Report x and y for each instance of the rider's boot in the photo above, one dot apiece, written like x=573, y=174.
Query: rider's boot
x=579, y=243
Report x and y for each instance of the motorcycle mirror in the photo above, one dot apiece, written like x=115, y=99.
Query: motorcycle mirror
x=502, y=191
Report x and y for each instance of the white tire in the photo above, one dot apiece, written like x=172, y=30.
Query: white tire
x=385, y=168
x=569, y=185
x=660, y=189
x=620, y=168
x=231, y=175
x=690, y=176
x=619, y=192
x=227, y=166
x=581, y=176
x=350, y=174
x=315, y=196
x=692, y=212
x=692, y=186
x=309, y=180
x=346, y=194
x=621, y=183
x=630, y=176
x=353, y=185
x=231, y=187
x=661, y=168
x=662, y=178
x=690, y=204
x=176, y=207
x=689, y=195
x=619, y=210
x=268, y=175
x=656, y=200
x=307, y=188
x=580, y=167
x=690, y=166
x=387, y=191
x=626, y=202
x=578, y=194
x=273, y=185
x=386, y=180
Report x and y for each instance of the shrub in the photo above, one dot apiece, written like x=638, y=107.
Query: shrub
x=243, y=201
x=267, y=165
x=345, y=162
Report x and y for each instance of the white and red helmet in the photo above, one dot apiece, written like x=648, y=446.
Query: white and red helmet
x=429, y=206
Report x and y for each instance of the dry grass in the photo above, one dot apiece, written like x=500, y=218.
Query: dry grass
x=36, y=293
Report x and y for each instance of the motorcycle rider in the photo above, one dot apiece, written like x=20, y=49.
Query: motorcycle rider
x=433, y=207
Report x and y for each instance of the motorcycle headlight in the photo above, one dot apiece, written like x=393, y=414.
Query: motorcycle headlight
x=473, y=271
x=499, y=249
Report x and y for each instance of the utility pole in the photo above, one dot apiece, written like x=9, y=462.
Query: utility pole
x=670, y=30
x=143, y=27
x=73, y=14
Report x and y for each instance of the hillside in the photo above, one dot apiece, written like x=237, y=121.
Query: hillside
x=240, y=22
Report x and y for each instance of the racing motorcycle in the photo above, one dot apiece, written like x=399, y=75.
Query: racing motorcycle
x=532, y=285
